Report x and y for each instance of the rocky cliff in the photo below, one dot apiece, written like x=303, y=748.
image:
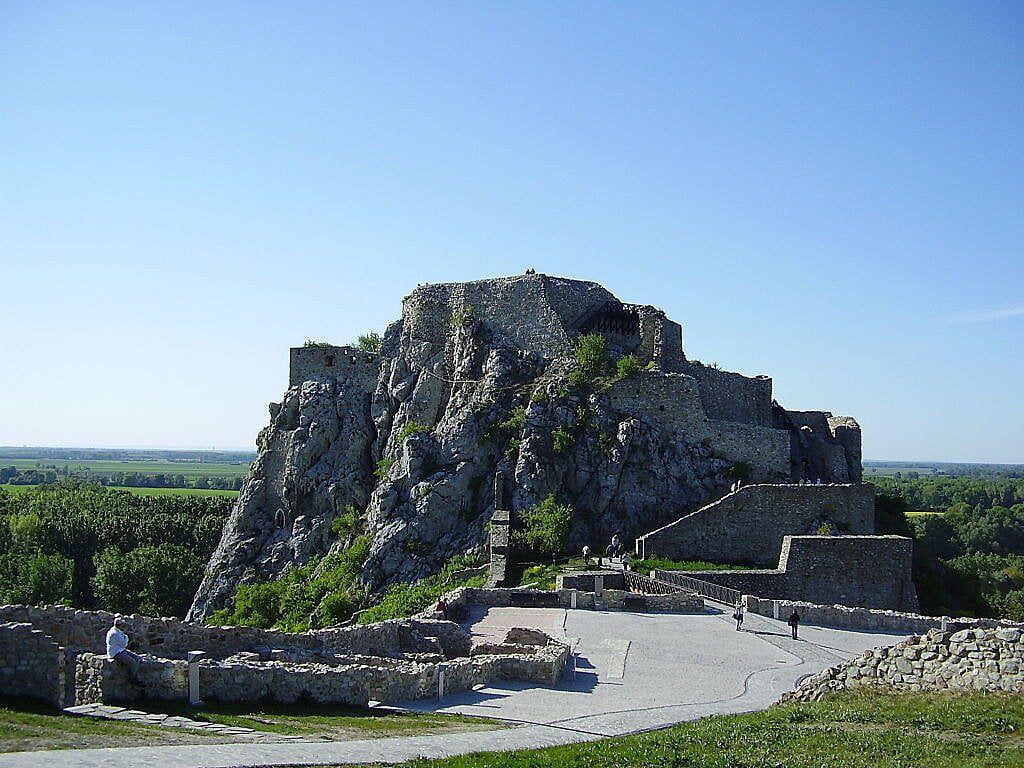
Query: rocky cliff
x=479, y=380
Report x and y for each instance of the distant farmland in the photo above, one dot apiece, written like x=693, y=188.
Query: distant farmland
x=108, y=468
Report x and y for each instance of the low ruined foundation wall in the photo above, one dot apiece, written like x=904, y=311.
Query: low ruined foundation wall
x=173, y=638
x=966, y=660
x=609, y=599
x=31, y=664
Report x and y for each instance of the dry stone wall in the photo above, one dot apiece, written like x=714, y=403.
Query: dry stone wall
x=350, y=366
x=31, y=664
x=749, y=525
x=985, y=659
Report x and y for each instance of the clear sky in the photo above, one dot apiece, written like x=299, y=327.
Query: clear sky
x=828, y=193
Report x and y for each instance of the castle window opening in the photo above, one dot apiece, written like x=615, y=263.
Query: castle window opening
x=330, y=361
x=279, y=518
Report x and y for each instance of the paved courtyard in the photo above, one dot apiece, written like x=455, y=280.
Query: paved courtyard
x=633, y=672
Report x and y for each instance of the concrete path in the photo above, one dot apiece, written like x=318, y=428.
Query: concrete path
x=634, y=672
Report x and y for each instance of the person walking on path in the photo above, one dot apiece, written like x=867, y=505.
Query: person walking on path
x=738, y=615
x=794, y=621
x=117, y=648
x=586, y=554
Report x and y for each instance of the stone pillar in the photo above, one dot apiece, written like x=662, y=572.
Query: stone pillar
x=193, y=677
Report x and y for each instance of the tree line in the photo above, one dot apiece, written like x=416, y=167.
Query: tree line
x=969, y=559
x=53, y=474
x=87, y=546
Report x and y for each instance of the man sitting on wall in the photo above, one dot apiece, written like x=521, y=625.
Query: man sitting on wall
x=117, y=648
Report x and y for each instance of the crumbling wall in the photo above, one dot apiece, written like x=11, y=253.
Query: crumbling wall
x=350, y=366
x=31, y=664
x=748, y=525
x=729, y=396
x=966, y=660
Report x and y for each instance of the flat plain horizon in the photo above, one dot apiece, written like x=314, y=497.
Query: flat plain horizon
x=828, y=195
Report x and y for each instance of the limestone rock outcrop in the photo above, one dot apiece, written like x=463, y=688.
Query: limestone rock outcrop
x=476, y=381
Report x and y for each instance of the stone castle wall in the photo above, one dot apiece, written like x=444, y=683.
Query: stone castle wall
x=31, y=664
x=866, y=571
x=348, y=365
x=532, y=312
x=748, y=525
x=729, y=396
x=672, y=401
x=966, y=660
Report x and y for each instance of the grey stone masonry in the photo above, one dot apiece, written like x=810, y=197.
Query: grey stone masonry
x=31, y=664
x=864, y=571
x=348, y=365
x=967, y=660
x=748, y=525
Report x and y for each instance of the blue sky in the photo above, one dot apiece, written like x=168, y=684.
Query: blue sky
x=828, y=193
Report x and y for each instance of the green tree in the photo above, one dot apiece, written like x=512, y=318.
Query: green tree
x=154, y=580
x=371, y=341
x=546, y=526
x=627, y=366
x=592, y=355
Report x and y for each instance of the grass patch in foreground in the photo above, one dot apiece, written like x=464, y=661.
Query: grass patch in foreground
x=29, y=725
x=334, y=722
x=849, y=730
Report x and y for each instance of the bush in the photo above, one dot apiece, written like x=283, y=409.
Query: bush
x=627, y=366
x=412, y=428
x=561, y=440
x=371, y=341
x=407, y=599
x=546, y=526
x=592, y=355
x=311, y=343
x=324, y=591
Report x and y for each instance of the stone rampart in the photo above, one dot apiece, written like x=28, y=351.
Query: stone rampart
x=865, y=571
x=729, y=396
x=608, y=599
x=966, y=660
x=748, y=525
x=350, y=366
x=531, y=312
x=31, y=664
x=764, y=449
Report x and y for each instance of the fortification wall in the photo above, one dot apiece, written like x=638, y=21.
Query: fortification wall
x=661, y=341
x=748, y=525
x=729, y=396
x=173, y=638
x=866, y=571
x=668, y=400
x=967, y=660
x=31, y=664
x=348, y=365
x=532, y=312
x=766, y=450
x=823, y=445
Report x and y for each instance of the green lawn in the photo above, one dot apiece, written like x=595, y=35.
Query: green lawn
x=28, y=725
x=850, y=730
x=143, y=491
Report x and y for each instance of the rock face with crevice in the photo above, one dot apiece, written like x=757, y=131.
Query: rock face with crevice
x=476, y=381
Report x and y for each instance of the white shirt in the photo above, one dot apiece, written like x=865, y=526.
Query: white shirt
x=117, y=641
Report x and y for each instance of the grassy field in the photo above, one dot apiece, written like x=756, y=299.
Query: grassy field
x=143, y=491
x=923, y=512
x=100, y=467
x=851, y=730
x=26, y=725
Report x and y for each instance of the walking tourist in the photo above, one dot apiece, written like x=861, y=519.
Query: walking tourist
x=738, y=615
x=794, y=621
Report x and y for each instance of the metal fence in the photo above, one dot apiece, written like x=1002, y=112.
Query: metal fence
x=645, y=585
x=706, y=589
